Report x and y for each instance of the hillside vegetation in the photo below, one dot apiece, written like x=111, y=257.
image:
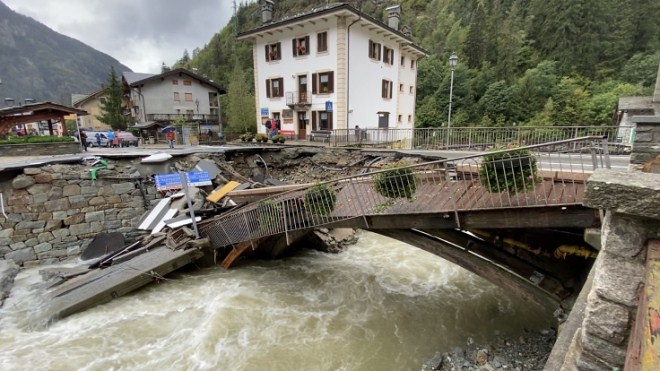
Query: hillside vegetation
x=39, y=63
x=529, y=62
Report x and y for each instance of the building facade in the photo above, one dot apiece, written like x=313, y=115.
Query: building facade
x=177, y=95
x=333, y=68
x=92, y=104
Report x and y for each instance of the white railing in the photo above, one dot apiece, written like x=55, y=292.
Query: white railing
x=620, y=138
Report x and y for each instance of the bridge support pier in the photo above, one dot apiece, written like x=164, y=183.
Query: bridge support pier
x=601, y=338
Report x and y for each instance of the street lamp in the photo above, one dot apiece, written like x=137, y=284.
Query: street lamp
x=453, y=60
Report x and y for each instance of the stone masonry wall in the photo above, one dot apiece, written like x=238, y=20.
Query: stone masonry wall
x=631, y=201
x=647, y=139
x=55, y=210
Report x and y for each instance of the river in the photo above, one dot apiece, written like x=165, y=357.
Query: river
x=379, y=305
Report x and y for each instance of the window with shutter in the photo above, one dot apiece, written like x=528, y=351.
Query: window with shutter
x=314, y=84
x=386, y=89
x=300, y=46
x=273, y=52
x=322, y=42
x=374, y=50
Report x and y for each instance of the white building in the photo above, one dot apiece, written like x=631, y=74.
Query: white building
x=333, y=68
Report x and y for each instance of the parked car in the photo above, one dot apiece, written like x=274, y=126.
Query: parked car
x=127, y=139
x=91, y=139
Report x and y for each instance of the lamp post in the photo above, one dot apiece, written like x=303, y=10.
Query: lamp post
x=453, y=60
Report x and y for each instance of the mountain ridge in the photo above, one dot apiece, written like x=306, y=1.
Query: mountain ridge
x=39, y=63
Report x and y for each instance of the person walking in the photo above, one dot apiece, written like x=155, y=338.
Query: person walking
x=98, y=139
x=209, y=136
x=83, y=139
x=170, y=138
x=111, y=138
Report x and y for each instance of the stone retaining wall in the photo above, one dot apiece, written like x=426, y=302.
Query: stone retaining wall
x=55, y=210
x=632, y=212
x=40, y=149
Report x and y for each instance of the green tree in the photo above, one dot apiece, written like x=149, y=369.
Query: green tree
x=112, y=106
x=241, y=110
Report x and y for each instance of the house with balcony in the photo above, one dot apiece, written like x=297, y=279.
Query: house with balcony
x=173, y=96
x=333, y=68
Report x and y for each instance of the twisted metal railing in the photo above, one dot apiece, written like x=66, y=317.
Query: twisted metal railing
x=530, y=176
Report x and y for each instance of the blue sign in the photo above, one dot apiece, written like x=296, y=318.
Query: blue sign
x=166, y=182
x=198, y=178
x=264, y=112
x=328, y=105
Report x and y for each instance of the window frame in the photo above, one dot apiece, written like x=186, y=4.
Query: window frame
x=270, y=87
x=386, y=89
x=187, y=82
x=374, y=50
x=316, y=120
x=316, y=82
x=300, y=46
x=273, y=52
x=177, y=96
x=175, y=82
x=188, y=97
x=322, y=42
x=388, y=55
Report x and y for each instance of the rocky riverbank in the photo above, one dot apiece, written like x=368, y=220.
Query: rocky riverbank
x=527, y=352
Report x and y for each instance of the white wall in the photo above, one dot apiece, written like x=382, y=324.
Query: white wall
x=365, y=75
x=290, y=67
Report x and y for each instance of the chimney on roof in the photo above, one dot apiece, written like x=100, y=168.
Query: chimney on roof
x=266, y=11
x=407, y=32
x=393, y=16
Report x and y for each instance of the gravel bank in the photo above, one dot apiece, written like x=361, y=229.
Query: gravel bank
x=528, y=352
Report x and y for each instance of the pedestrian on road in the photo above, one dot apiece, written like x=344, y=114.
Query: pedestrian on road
x=111, y=137
x=209, y=136
x=83, y=139
x=170, y=138
x=98, y=139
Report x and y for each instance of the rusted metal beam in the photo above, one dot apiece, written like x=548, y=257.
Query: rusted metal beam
x=644, y=345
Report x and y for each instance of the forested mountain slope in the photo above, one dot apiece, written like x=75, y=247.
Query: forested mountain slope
x=530, y=62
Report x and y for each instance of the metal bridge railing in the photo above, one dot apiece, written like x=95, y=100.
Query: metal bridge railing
x=530, y=176
x=478, y=138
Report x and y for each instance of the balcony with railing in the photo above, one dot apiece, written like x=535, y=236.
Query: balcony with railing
x=191, y=117
x=301, y=100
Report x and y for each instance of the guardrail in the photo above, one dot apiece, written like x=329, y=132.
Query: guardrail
x=530, y=176
x=620, y=138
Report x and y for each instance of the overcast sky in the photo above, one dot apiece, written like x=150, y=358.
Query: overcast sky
x=141, y=34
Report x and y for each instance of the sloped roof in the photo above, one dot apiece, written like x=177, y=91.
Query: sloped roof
x=81, y=98
x=175, y=72
x=132, y=77
x=329, y=9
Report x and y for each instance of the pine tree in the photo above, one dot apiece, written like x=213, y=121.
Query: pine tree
x=112, y=106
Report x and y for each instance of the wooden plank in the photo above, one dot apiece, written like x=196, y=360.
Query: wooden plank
x=103, y=285
x=217, y=195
